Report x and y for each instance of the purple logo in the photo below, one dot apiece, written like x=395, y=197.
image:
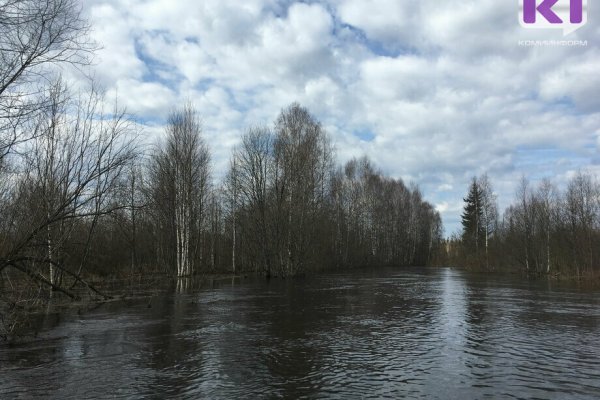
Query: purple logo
x=566, y=15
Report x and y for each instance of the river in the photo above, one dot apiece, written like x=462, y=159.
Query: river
x=386, y=333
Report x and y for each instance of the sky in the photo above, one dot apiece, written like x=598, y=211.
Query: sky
x=433, y=92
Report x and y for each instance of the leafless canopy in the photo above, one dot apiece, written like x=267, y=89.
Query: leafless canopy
x=179, y=185
x=35, y=35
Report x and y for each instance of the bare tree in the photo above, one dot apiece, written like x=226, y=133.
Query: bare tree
x=303, y=160
x=379, y=221
x=525, y=217
x=253, y=174
x=489, y=212
x=69, y=169
x=35, y=35
x=180, y=180
x=581, y=202
x=547, y=199
x=233, y=186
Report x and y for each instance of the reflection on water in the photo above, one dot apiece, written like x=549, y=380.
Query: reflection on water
x=381, y=334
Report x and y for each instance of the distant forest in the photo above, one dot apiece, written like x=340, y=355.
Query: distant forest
x=82, y=199
x=544, y=231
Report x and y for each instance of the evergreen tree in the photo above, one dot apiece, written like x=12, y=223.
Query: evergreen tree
x=472, y=218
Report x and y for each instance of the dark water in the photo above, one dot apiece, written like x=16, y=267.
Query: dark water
x=383, y=334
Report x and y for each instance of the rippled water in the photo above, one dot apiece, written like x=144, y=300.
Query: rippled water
x=383, y=334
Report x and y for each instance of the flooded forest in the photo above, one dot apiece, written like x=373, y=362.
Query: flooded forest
x=86, y=197
x=292, y=199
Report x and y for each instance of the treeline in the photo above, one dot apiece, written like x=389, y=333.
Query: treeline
x=291, y=209
x=81, y=199
x=544, y=231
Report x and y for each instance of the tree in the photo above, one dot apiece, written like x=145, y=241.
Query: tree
x=472, y=218
x=489, y=212
x=547, y=213
x=250, y=187
x=545, y=230
x=232, y=189
x=179, y=179
x=525, y=217
x=581, y=206
x=303, y=165
x=377, y=220
x=479, y=218
x=34, y=36
x=71, y=167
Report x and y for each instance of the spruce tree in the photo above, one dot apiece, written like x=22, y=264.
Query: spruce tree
x=472, y=218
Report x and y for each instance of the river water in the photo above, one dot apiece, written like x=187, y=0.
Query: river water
x=388, y=333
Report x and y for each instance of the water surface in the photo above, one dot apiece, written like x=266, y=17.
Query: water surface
x=388, y=333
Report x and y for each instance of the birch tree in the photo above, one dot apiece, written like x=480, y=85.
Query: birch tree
x=251, y=189
x=180, y=184
x=71, y=165
x=581, y=202
x=525, y=218
x=303, y=160
x=489, y=213
x=547, y=197
x=35, y=35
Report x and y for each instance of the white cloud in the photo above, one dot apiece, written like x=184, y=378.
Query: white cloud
x=434, y=92
x=578, y=82
x=116, y=57
x=147, y=99
x=388, y=22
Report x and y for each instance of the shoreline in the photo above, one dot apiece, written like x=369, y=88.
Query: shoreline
x=586, y=280
x=19, y=317
x=138, y=288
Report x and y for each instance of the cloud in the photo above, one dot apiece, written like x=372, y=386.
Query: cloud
x=116, y=59
x=392, y=24
x=434, y=92
x=577, y=82
x=147, y=99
